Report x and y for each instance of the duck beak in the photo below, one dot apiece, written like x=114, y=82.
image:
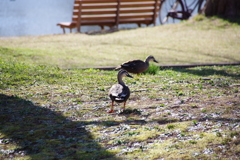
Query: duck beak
x=129, y=76
x=155, y=60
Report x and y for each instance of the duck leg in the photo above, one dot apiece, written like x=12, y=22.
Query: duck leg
x=124, y=104
x=111, y=111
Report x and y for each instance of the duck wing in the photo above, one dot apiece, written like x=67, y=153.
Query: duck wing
x=132, y=63
x=135, y=66
x=119, y=93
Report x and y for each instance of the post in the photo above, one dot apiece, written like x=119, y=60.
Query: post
x=155, y=14
x=118, y=13
x=79, y=16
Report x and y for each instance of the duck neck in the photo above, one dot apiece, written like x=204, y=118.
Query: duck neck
x=147, y=61
x=120, y=81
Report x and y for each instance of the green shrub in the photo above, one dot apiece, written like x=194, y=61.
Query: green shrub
x=153, y=69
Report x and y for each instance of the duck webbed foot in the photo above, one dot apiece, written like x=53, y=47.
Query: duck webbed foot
x=111, y=111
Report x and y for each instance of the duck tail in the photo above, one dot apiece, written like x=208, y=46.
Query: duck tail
x=118, y=68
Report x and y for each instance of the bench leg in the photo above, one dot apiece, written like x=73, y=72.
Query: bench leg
x=63, y=30
x=78, y=29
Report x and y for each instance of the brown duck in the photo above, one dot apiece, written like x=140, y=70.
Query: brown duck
x=119, y=92
x=137, y=66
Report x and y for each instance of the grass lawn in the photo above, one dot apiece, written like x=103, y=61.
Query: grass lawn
x=197, y=41
x=47, y=112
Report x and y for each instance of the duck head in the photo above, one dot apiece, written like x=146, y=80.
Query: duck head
x=123, y=73
x=151, y=58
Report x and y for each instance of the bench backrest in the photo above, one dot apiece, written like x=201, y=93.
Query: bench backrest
x=114, y=12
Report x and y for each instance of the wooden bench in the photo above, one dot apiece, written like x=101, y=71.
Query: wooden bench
x=112, y=13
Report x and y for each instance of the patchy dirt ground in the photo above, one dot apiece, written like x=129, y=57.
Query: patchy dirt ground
x=176, y=114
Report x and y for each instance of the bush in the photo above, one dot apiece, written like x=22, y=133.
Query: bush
x=153, y=69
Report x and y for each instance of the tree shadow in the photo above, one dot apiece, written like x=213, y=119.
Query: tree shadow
x=235, y=20
x=41, y=133
x=207, y=72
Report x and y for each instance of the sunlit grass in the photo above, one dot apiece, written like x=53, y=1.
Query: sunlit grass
x=205, y=41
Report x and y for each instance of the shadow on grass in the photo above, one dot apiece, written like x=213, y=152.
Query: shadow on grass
x=41, y=133
x=235, y=20
x=207, y=72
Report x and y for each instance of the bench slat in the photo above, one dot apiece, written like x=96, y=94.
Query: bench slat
x=97, y=12
x=148, y=21
x=96, y=6
x=95, y=1
x=122, y=5
x=136, y=0
x=113, y=11
x=109, y=1
x=100, y=17
x=122, y=21
x=99, y=6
